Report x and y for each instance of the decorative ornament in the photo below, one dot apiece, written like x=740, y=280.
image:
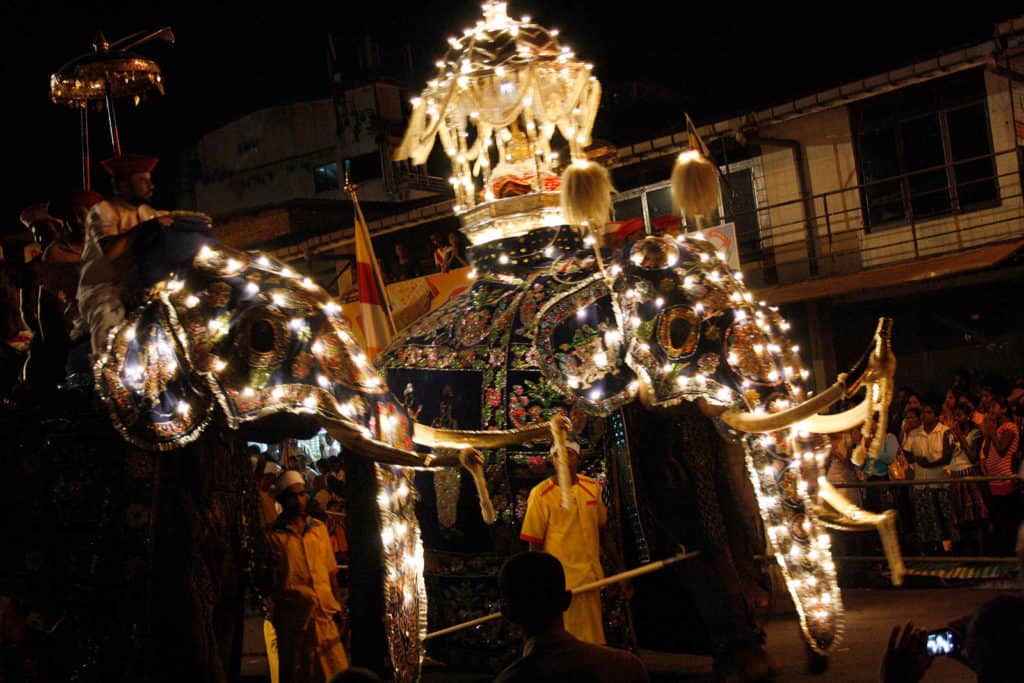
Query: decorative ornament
x=695, y=185
x=508, y=86
x=447, y=482
x=586, y=194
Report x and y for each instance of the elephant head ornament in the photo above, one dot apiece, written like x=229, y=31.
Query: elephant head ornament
x=666, y=323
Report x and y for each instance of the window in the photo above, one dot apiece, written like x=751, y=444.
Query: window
x=325, y=178
x=631, y=207
x=659, y=203
x=364, y=167
x=926, y=150
x=739, y=198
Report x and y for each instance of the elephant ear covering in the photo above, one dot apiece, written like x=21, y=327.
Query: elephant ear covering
x=695, y=185
x=243, y=332
x=586, y=194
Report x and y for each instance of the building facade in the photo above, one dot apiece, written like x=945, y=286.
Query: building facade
x=899, y=194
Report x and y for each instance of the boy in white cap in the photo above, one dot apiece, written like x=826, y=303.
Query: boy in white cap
x=269, y=507
x=575, y=536
x=305, y=594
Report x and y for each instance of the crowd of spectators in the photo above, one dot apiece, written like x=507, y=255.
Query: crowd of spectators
x=946, y=441
x=404, y=262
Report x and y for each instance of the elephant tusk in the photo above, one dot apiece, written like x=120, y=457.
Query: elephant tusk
x=560, y=426
x=770, y=422
x=873, y=371
x=434, y=437
x=877, y=361
x=849, y=517
x=473, y=462
x=372, y=448
x=839, y=422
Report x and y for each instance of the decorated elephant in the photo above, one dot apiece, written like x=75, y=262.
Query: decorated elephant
x=657, y=349
x=658, y=343
x=226, y=344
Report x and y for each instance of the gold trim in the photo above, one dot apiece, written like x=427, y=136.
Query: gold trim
x=434, y=437
x=524, y=213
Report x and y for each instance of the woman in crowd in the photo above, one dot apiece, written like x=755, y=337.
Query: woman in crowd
x=443, y=253
x=880, y=498
x=932, y=452
x=946, y=414
x=1002, y=439
x=458, y=258
x=839, y=469
x=969, y=497
x=913, y=404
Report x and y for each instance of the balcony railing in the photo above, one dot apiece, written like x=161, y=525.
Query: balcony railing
x=827, y=234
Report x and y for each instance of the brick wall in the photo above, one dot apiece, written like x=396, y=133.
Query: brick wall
x=250, y=230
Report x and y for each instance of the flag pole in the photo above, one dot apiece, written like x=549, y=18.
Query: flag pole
x=360, y=225
x=696, y=141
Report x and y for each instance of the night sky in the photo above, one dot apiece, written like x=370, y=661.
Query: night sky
x=232, y=58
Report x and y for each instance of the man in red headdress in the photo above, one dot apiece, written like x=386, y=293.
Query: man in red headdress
x=99, y=296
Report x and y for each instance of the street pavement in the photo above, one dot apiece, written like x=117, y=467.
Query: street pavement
x=870, y=616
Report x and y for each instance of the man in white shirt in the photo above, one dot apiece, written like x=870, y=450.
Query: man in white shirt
x=99, y=297
x=931, y=452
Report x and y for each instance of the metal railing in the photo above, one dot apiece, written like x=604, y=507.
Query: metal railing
x=906, y=528
x=919, y=482
x=827, y=233
x=848, y=547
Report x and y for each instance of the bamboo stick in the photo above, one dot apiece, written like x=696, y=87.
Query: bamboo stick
x=601, y=583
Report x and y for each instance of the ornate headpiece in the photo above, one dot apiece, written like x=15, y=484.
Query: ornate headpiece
x=502, y=92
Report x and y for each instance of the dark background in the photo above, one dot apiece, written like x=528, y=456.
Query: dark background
x=230, y=58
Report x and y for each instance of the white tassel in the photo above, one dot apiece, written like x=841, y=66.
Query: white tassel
x=560, y=426
x=695, y=185
x=586, y=195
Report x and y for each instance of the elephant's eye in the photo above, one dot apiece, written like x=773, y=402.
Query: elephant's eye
x=262, y=336
x=679, y=331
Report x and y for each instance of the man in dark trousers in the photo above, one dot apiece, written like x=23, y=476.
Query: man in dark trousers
x=533, y=596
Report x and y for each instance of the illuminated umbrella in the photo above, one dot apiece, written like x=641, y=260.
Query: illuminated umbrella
x=108, y=72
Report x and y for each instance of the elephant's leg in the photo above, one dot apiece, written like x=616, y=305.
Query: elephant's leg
x=699, y=452
x=675, y=459
x=366, y=584
x=742, y=522
x=198, y=560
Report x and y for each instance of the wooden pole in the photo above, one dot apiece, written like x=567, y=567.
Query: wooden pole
x=595, y=585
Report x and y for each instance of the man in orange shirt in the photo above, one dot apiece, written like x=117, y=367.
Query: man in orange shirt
x=576, y=537
x=305, y=592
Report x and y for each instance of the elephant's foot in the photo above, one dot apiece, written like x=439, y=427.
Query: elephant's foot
x=817, y=663
x=746, y=664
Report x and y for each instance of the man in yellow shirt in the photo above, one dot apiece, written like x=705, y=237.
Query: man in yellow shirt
x=305, y=590
x=576, y=537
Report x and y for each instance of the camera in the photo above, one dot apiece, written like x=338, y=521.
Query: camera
x=942, y=643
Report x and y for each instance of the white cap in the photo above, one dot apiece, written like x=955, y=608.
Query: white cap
x=271, y=468
x=286, y=480
x=569, y=446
